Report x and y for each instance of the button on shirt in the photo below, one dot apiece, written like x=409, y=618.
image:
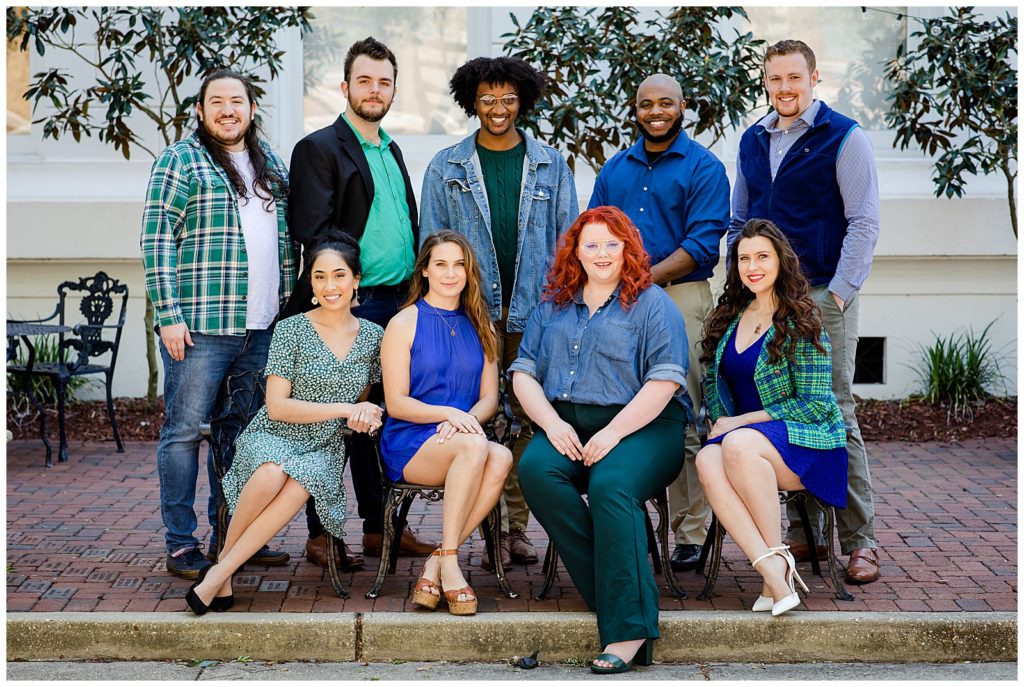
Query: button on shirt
x=606, y=358
x=679, y=200
x=385, y=248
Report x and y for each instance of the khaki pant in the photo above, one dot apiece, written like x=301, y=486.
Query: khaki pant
x=686, y=499
x=514, y=511
x=856, y=523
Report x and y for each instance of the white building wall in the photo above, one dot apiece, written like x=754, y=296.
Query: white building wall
x=941, y=265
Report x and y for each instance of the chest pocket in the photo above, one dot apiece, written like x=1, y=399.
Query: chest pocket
x=461, y=200
x=616, y=340
x=540, y=206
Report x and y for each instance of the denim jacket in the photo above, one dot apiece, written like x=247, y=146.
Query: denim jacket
x=454, y=197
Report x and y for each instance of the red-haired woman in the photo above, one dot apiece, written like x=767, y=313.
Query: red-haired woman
x=602, y=372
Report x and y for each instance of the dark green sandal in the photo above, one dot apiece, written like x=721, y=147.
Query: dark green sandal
x=644, y=657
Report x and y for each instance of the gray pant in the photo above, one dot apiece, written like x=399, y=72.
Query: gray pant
x=688, y=506
x=856, y=524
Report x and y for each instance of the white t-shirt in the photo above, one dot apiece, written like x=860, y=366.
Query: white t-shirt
x=259, y=227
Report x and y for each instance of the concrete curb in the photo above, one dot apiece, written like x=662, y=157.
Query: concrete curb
x=687, y=636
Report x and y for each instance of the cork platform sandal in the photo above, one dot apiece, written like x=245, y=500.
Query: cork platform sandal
x=421, y=594
x=456, y=607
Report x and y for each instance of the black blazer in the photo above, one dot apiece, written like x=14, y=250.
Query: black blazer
x=331, y=186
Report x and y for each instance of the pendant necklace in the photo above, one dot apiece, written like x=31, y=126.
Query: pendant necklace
x=443, y=318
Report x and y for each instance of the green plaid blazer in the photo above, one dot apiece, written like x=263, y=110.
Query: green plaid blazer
x=193, y=249
x=797, y=390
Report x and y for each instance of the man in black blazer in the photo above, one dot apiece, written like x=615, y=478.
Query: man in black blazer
x=351, y=176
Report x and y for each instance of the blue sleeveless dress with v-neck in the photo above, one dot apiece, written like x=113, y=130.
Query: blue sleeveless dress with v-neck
x=444, y=370
x=822, y=472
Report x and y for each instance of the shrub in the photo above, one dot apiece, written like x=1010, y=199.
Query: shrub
x=958, y=370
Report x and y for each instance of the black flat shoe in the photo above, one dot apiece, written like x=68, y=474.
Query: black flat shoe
x=222, y=603
x=644, y=656
x=192, y=599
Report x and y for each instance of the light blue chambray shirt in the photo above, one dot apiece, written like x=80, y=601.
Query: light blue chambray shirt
x=605, y=359
x=858, y=183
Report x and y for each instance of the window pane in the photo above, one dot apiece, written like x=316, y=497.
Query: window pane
x=851, y=47
x=19, y=113
x=429, y=44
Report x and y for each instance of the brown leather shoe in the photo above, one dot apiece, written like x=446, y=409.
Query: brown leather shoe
x=316, y=552
x=802, y=552
x=506, y=554
x=521, y=548
x=863, y=566
x=410, y=544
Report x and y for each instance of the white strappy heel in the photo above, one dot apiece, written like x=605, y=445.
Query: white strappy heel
x=786, y=603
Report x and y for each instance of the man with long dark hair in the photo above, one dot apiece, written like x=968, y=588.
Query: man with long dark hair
x=677, y=194
x=351, y=176
x=219, y=265
x=513, y=220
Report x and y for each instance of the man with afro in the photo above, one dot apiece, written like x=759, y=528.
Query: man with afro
x=512, y=197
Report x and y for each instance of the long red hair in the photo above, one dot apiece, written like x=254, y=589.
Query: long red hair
x=567, y=275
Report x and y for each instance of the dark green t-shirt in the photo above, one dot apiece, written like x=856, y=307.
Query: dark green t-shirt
x=503, y=179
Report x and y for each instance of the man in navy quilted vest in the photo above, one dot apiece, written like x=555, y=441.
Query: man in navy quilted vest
x=811, y=170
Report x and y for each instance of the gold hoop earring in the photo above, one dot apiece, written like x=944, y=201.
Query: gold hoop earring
x=314, y=300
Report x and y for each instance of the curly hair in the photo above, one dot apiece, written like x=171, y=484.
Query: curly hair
x=471, y=299
x=567, y=275
x=796, y=316
x=266, y=180
x=528, y=81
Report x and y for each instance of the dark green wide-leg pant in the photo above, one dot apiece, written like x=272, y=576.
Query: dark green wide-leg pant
x=603, y=542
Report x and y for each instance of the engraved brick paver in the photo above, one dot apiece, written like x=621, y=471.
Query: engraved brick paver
x=87, y=536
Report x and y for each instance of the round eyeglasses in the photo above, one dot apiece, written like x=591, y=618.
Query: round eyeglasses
x=592, y=248
x=508, y=100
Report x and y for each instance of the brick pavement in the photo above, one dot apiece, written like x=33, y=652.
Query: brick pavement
x=86, y=536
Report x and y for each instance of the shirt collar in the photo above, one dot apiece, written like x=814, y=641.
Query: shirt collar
x=679, y=147
x=578, y=296
x=807, y=117
x=385, y=139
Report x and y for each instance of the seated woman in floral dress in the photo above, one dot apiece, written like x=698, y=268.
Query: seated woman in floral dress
x=319, y=367
x=440, y=387
x=777, y=424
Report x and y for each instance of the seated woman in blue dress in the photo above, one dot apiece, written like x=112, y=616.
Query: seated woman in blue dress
x=777, y=425
x=319, y=369
x=602, y=373
x=439, y=356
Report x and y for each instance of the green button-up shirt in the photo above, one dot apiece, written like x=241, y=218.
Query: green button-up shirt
x=385, y=248
x=193, y=249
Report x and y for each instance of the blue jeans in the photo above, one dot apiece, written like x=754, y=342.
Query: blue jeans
x=191, y=387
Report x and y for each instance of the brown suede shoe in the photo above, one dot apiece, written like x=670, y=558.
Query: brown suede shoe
x=316, y=552
x=863, y=566
x=410, y=545
x=802, y=552
x=520, y=547
x=506, y=554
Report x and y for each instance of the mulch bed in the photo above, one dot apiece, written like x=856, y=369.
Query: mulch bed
x=879, y=421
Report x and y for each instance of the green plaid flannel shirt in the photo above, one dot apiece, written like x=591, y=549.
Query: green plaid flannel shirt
x=797, y=390
x=193, y=249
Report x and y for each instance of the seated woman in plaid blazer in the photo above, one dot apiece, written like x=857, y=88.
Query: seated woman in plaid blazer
x=777, y=425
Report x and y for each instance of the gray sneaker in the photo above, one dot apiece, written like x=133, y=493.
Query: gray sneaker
x=187, y=562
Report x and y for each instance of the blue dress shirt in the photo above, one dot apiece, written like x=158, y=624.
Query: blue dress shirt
x=606, y=358
x=681, y=200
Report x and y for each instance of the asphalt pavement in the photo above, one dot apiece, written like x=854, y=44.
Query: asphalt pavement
x=477, y=672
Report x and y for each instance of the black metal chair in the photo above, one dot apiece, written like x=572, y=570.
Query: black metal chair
x=398, y=495
x=241, y=397
x=716, y=539
x=96, y=305
x=660, y=503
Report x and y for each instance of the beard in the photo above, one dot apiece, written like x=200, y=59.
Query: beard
x=672, y=131
x=369, y=115
x=226, y=141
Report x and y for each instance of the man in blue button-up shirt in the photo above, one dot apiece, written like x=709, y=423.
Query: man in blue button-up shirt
x=677, y=194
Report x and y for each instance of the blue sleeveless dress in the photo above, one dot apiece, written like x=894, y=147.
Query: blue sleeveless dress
x=822, y=472
x=444, y=370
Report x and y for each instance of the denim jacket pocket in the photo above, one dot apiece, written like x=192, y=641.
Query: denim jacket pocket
x=540, y=206
x=460, y=197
